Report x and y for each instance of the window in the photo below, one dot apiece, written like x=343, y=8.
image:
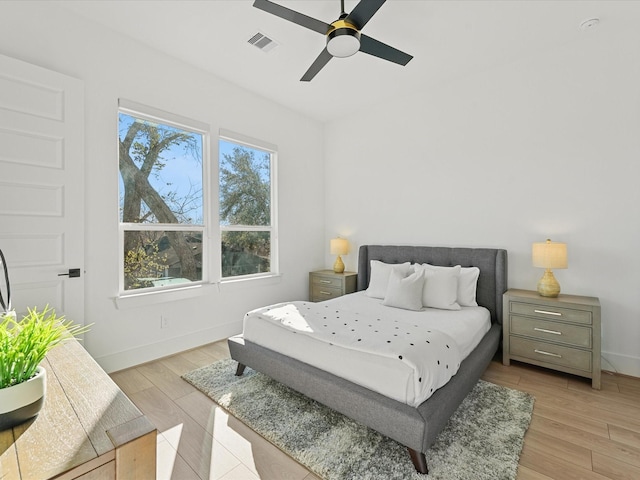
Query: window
x=168, y=239
x=247, y=207
x=163, y=230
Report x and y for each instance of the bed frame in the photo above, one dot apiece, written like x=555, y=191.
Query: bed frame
x=414, y=427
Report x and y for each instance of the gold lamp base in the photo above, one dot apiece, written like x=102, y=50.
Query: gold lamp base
x=548, y=286
x=338, y=267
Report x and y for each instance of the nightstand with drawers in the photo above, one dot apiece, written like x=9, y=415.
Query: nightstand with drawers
x=326, y=284
x=561, y=333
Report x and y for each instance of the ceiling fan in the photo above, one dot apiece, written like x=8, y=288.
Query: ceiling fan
x=343, y=35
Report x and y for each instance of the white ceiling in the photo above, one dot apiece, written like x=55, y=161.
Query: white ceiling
x=447, y=38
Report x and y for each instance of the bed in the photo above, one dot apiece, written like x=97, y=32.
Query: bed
x=417, y=426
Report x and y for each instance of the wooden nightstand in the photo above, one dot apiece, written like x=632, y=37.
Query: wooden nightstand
x=561, y=333
x=326, y=284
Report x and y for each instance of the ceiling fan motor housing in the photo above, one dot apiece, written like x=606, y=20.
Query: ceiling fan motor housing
x=343, y=40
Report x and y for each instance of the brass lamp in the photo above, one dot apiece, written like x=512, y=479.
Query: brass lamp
x=549, y=255
x=339, y=246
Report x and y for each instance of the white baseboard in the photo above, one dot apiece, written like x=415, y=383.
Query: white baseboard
x=624, y=364
x=147, y=353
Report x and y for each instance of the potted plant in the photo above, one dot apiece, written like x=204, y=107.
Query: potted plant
x=23, y=345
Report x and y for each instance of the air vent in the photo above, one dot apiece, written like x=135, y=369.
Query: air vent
x=263, y=42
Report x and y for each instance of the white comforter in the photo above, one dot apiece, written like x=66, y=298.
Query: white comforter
x=402, y=354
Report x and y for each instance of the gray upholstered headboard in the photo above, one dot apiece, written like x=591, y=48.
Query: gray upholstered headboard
x=492, y=263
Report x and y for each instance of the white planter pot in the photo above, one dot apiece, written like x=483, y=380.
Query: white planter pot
x=21, y=402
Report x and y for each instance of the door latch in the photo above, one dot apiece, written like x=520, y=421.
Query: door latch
x=73, y=273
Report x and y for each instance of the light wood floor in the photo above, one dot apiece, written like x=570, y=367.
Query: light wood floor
x=576, y=432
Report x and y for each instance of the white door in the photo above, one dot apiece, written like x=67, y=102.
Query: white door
x=42, y=187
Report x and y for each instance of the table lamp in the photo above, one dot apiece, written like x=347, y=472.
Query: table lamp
x=549, y=255
x=339, y=246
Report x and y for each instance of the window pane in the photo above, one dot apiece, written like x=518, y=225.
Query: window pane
x=245, y=253
x=245, y=185
x=157, y=258
x=160, y=173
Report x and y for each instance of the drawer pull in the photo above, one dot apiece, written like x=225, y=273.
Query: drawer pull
x=542, y=352
x=325, y=281
x=324, y=293
x=544, y=330
x=545, y=312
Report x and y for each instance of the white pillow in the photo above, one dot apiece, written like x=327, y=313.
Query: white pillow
x=379, y=277
x=405, y=292
x=467, y=283
x=440, y=287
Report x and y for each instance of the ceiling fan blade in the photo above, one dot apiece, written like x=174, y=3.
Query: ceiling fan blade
x=363, y=12
x=292, y=16
x=317, y=65
x=382, y=50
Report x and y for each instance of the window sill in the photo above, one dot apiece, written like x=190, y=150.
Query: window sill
x=249, y=282
x=161, y=296
x=144, y=299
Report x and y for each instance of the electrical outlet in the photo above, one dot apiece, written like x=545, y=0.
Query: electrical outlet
x=164, y=321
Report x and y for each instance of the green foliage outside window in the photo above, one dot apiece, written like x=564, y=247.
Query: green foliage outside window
x=161, y=184
x=245, y=203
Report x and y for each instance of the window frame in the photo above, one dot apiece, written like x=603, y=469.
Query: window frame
x=155, y=115
x=274, y=264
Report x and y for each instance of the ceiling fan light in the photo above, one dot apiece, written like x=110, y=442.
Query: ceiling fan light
x=343, y=42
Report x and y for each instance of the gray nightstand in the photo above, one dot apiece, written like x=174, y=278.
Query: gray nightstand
x=561, y=333
x=326, y=284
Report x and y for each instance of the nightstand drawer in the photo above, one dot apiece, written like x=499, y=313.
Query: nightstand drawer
x=552, y=313
x=322, y=292
x=326, y=284
x=549, y=353
x=321, y=281
x=552, y=331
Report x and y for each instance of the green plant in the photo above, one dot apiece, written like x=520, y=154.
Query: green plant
x=24, y=343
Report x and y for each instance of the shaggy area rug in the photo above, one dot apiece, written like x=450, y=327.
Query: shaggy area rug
x=482, y=440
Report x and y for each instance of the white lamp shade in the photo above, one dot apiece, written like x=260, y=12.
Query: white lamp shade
x=339, y=246
x=549, y=254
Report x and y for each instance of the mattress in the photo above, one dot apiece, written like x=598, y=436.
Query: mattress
x=301, y=331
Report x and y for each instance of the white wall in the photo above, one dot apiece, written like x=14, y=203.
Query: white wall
x=113, y=67
x=547, y=146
